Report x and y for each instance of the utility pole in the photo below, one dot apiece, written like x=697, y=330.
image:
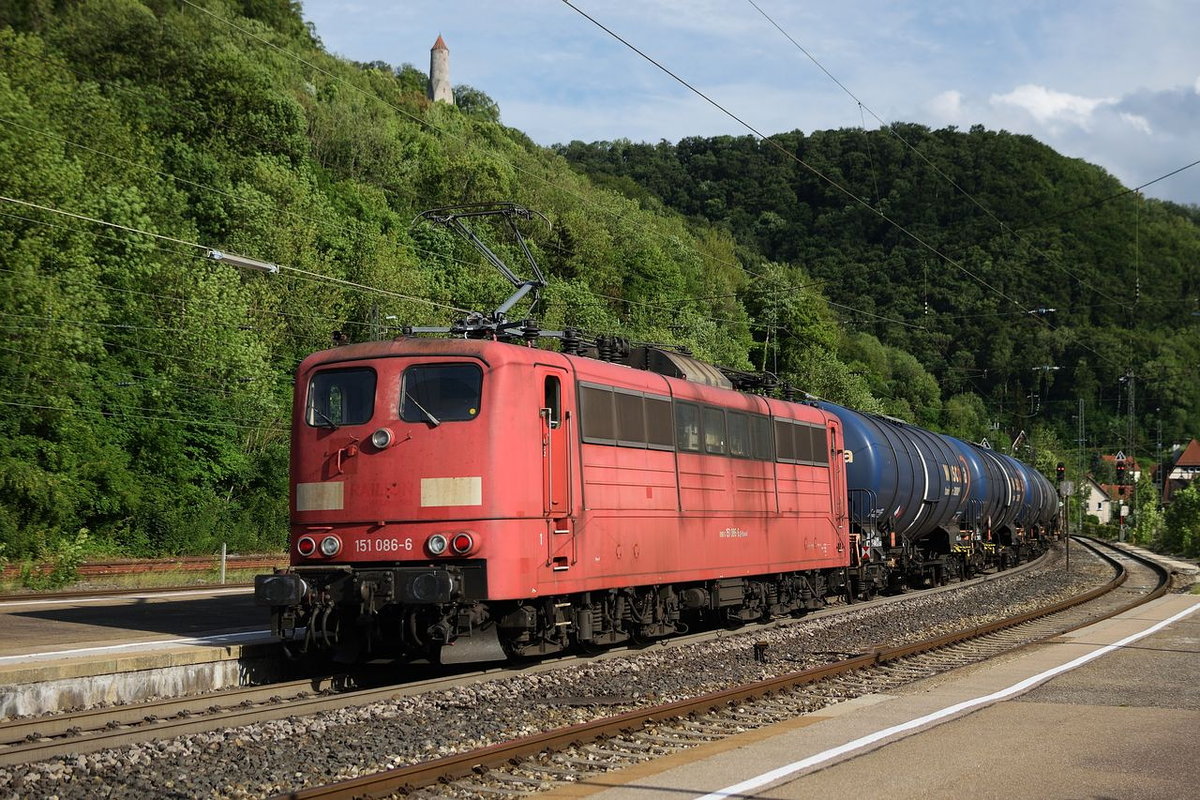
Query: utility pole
x=1064, y=491
x=1130, y=433
x=1158, y=472
x=1082, y=442
x=1132, y=447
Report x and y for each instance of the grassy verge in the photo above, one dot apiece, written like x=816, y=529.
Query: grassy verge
x=145, y=580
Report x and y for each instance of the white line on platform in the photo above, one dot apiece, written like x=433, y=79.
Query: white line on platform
x=216, y=640
x=71, y=601
x=760, y=781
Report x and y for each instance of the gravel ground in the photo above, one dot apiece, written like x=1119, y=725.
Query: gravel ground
x=271, y=757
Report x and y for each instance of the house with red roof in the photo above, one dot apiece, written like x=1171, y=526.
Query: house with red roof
x=1181, y=469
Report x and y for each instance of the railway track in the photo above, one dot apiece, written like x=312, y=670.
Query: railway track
x=567, y=755
x=35, y=739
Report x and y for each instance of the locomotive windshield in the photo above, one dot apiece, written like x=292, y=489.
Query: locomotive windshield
x=341, y=397
x=441, y=393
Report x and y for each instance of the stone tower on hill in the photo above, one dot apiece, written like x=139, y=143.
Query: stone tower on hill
x=439, y=73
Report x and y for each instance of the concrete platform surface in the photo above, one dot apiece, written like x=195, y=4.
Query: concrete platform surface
x=78, y=652
x=38, y=625
x=1076, y=717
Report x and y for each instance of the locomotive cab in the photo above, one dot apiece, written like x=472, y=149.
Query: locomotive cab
x=414, y=489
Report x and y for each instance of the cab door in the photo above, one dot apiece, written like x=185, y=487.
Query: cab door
x=558, y=437
x=837, y=472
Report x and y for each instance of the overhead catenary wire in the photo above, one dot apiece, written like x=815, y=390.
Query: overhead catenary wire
x=181, y=420
x=326, y=224
x=891, y=129
x=427, y=124
x=1108, y=198
x=205, y=248
x=819, y=173
x=315, y=276
x=104, y=287
x=127, y=378
x=290, y=213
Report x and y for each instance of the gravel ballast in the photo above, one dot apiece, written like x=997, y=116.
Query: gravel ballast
x=281, y=755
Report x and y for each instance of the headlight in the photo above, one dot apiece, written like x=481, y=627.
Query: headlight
x=330, y=546
x=382, y=438
x=306, y=546
x=462, y=543
x=436, y=544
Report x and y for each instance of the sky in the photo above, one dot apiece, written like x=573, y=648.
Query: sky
x=1115, y=83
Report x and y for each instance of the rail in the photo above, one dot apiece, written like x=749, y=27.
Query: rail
x=452, y=767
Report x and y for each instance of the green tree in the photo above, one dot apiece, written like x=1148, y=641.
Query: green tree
x=1182, y=522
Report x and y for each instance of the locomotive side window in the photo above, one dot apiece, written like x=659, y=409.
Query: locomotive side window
x=803, y=439
x=739, y=434
x=687, y=427
x=596, y=415
x=631, y=419
x=760, y=436
x=801, y=443
x=820, y=446
x=785, y=446
x=438, y=393
x=714, y=430
x=341, y=397
x=659, y=430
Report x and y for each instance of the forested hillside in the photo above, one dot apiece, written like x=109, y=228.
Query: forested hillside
x=146, y=386
x=1022, y=281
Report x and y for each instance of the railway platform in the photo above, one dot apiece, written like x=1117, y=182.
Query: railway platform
x=1110, y=710
x=76, y=652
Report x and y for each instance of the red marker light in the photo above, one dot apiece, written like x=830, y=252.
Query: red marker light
x=462, y=543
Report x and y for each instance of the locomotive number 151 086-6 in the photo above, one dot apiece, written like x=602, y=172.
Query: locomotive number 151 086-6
x=383, y=545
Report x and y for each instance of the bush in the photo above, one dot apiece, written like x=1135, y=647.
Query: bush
x=57, y=565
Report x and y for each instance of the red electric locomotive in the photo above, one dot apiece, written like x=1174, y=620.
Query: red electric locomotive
x=470, y=499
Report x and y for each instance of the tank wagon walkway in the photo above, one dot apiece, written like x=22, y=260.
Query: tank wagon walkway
x=1110, y=710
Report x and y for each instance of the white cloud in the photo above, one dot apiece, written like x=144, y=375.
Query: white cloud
x=1050, y=107
x=947, y=107
x=1137, y=121
x=1112, y=82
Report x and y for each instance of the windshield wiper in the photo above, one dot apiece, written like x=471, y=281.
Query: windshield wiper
x=333, y=426
x=434, y=421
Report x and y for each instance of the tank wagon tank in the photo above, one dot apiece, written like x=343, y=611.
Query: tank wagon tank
x=927, y=507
